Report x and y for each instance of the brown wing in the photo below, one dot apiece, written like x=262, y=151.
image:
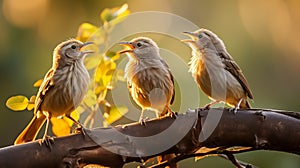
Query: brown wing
x=172, y=78
x=45, y=86
x=234, y=69
x=138, y=92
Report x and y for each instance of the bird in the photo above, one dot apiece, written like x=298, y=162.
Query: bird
x=215, y=71
x=62, y=90
x=149, y=78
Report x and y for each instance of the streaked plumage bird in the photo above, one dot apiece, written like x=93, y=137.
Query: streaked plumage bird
x=215, y=71
x=62, y=90
x=150, y=81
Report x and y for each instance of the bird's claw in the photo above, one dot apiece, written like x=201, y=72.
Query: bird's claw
x=234, y=110
x=80, y=130
x=48, y=141
x=206, y=107
x=173, y=114
x=143, y=121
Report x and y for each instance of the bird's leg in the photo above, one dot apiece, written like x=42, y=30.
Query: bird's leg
x=142, y=119
x=235, y=109
x=80, y=127
x=47, y=139
x=207, y=106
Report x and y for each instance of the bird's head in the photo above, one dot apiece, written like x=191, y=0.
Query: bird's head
x=71, y=50
x=202, y=39
x=141, y=48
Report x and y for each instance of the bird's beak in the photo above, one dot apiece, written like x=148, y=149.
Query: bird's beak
x=187, y=40
x=190, y=34
x=128, y=44
x=85, y=44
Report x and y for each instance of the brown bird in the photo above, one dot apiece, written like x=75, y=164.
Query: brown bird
x=63, y=88
x=216, y=72
x=150, y=81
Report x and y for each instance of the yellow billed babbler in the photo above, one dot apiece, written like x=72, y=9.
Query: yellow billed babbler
x=63, y=88
x=150, y=81
x=215, y=71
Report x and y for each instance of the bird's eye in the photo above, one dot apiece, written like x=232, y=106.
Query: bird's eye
x=139, y=44
x=73, y=46
x=200, y=36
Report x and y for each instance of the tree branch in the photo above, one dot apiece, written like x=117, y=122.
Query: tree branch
x=218, y=129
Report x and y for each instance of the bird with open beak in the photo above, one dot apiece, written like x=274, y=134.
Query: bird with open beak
x=215, y=71
x=62, y=90
x=150, y=81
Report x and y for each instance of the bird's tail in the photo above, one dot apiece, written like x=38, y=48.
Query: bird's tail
x=166, y=112
x=32, y=129
x=248, y=104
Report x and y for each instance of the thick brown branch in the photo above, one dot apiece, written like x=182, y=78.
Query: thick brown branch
x=185, y=135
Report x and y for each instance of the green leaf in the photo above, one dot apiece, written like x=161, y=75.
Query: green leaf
x=17, y=103
x=110, y=14
x=115, y=113
x=113, y=55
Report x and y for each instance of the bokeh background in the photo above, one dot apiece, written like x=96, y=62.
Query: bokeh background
x=262, y=36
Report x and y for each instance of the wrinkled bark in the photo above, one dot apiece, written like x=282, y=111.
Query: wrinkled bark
x=218, y=129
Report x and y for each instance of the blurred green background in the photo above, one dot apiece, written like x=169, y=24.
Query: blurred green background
x=262, y=36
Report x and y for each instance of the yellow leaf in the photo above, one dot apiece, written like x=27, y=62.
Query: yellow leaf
x=121, y=75
x=85, y=31
x=91, y=62
x=119, y=19
x=80, y=109
x=38, y=83
x=17, y=103
x=90, y=98
x=31, y=103
x=93, y=166
x=103, y=70
x=60, y=127
x=74, y=115
x=103, y=76
x=110, y=14
x=30, y=107
x=32, y=99
x=115, y=113
x=101, y=93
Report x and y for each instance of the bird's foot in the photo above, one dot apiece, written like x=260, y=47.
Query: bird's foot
x=237, y=107
x=173, y=114
x=234, y=110
x=48, y=141
x=80, y=130
x=143, y=121
x=206, y=107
